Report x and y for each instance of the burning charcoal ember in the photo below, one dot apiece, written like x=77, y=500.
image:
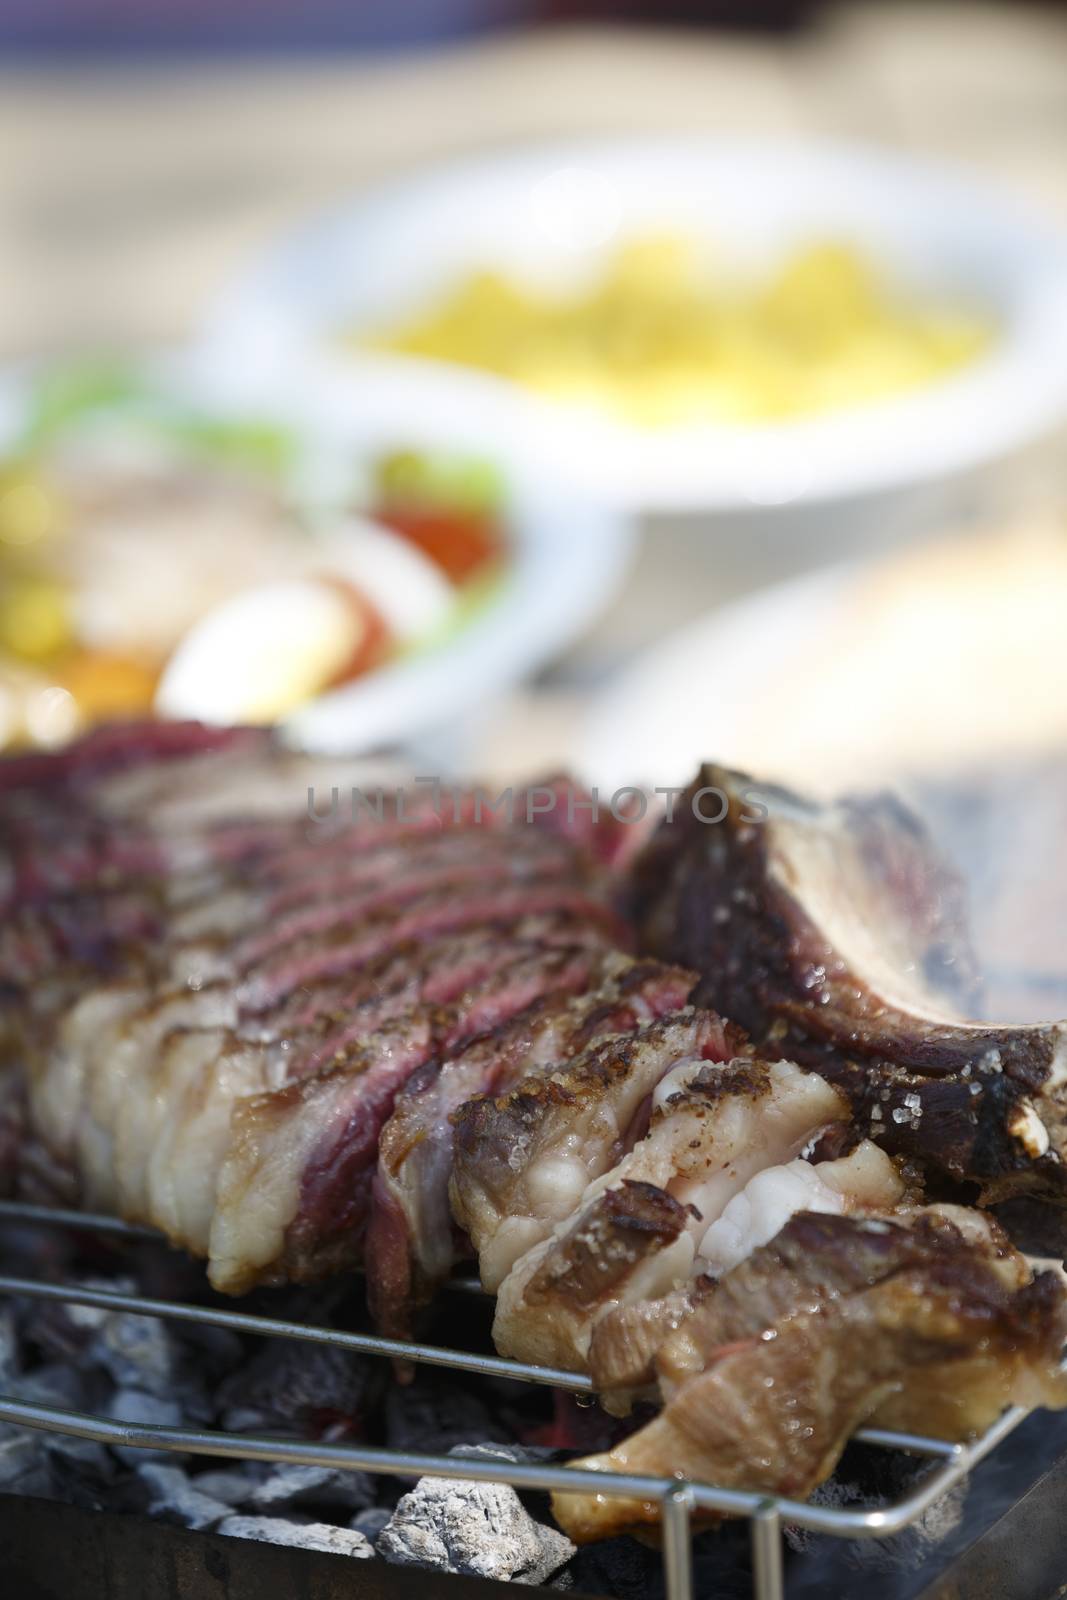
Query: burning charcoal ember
x=476, y=1529
x=296, y=1388
x=174, y=1498
x=320, y=1487
x=133, y=1405
x=578, y=1423
x=371, y=1522
x=234, y=1485
x=300, y=1535
x=433, y=1414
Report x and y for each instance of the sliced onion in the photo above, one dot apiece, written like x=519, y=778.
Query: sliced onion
x=258, y=656
x=410, y=593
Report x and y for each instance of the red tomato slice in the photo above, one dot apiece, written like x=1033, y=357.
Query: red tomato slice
x=460, y=543
x=375, y=639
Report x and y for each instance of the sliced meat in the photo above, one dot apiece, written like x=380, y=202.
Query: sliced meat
x=523, y=1161
x=865, y=1179
x=190, y=949
x=294, y=1188
x=410, y=1245
x=715, y=1128
x=120, y=746
x=161, y=1142
x=432, y=972
x=626, y=1338
x=871, y=1321
x=429, y=917
x=629, y=1244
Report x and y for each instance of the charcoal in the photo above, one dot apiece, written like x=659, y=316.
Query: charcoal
x=83, y=1473
x=234, y=1485
x=294, y=1389
x=620, y=1567
x=53, y=1385
x=371, y=1522
x=433, y=1414
x=138, y=1352
x=86, y=1453
x=63, y=1331
x=174, y=1498
x=322, y=1487
x=143, y=1353
x=476, y=1529
x=213, y=1352
x=24, y=1463
x=133, y=1405
x=302, y=1535
x=9, y=1347
x=630, y=1570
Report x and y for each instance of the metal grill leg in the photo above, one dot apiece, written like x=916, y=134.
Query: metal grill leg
x=767, y=1578
x=678, y=1543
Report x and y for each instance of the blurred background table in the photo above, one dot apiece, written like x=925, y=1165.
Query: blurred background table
x=130, y=193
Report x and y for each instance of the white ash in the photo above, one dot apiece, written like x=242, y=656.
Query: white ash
x=476, y=1529
x=300, y=1535
x=148, y=1371
x=324, y=1487
x=174, y=1498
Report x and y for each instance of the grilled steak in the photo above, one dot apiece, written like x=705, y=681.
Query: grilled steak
x=411, y=1246
x=215, y=1001
x=924, y=1326
x=291, y=1044
x=626, y=1338
x=836, y=936
x=523, y=1161
x=721, y=1144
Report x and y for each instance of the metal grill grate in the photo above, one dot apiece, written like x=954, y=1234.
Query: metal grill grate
x=677, y=1500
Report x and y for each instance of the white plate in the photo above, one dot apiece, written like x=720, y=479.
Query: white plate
x=693, y=698
x=551, y=212
x=567, y=553
x=942, y=660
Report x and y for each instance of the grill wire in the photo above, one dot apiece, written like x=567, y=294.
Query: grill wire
x=677, y=1500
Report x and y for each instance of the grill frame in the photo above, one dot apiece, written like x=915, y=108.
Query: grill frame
x=678, y=1500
